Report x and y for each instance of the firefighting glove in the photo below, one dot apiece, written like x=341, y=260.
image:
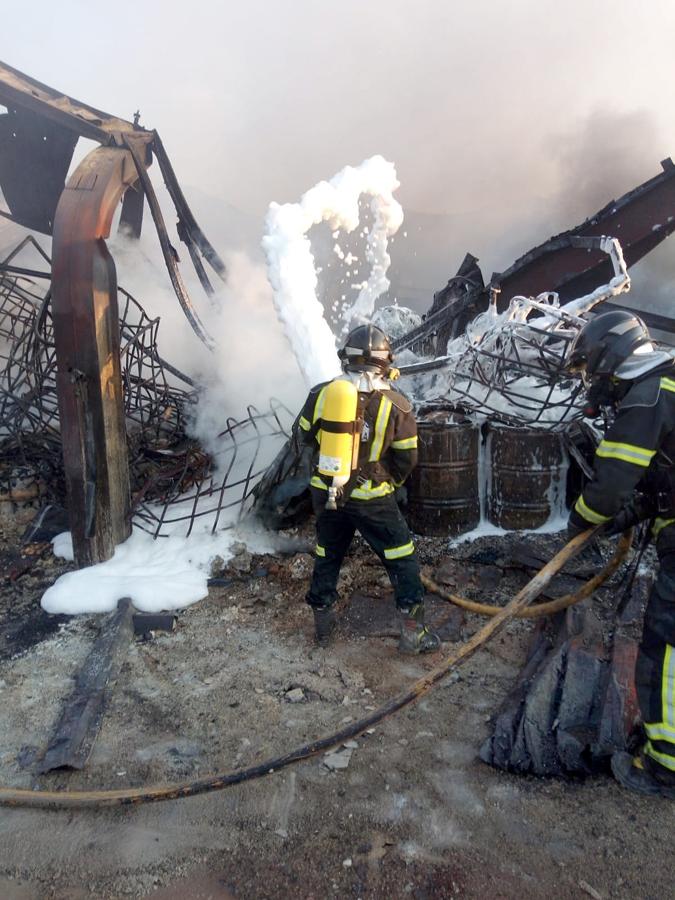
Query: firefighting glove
x=634, y=512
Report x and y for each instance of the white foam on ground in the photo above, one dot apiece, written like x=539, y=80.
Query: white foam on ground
x=291, y=265
x=163, y=574
x=555, y=523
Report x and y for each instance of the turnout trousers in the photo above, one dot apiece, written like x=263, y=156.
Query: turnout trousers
x=381, y=524
x=655, y=667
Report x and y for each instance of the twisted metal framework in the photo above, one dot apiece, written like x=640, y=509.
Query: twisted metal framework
x=211, y=493
x=30, y=447
x=507, y=369
x=174, y=481
x=516, y=375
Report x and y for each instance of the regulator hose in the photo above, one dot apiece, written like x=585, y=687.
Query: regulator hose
x=541, y=609
x=133, y=796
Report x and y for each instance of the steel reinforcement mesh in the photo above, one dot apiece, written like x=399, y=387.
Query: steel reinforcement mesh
x=175, y=484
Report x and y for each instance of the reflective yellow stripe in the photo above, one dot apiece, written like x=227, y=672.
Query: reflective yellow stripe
x=660, y=524
x=318, y=411
x=590, y=514
x=398, y=552
x=320, y=403
x=363, y=492
x=668, y=762
x=668, y=384
x=368, y=492
x=638, y=456
x=668, y=688
x=405, y=443
x=304, y=423
x=660, y=732
x=319, y=550
x=380, y=429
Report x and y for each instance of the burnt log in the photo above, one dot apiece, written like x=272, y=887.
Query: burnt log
x=79, y=724
x=574, y=703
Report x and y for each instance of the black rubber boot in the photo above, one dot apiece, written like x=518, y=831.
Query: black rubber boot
x=324, y=624
x=630, y=772
x=415, y=636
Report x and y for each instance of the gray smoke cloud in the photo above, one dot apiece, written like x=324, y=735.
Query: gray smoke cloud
x=507, y=121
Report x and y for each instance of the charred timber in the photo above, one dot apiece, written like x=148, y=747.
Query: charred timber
x=87, y=340
x=80, y=722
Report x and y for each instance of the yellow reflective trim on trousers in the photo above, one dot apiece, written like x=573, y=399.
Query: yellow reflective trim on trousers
x=668, y=762
x=368, y=492
x=589, y=514
x=660, y=732
x=668, y=687
x=319, y=550
x=660, y=524
x=398, y=552
x=630, y=453
x=405, y=443
x=316, y=482
x=383, y=414
x=304, y=423
x=668, y=384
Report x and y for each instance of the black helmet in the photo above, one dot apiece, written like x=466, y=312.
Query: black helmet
x=366, y=349
x=605, y=342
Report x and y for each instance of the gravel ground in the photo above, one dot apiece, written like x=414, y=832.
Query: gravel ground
x=413, y=812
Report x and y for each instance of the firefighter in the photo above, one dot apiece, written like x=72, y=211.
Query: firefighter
x=383, y=436
x=634, y=480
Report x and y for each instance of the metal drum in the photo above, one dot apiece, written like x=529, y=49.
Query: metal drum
x=524, y=477
x=443, y=494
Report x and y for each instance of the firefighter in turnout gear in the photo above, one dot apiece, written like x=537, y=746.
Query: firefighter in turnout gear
x=634, y=480
x=366, y=437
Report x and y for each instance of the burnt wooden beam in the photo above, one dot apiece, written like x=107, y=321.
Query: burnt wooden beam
x=18, y=89
x=87, y=342
x=76, y=731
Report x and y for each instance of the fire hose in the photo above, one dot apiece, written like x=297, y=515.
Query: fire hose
x=499, y=618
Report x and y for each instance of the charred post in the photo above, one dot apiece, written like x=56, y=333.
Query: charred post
x=87, y=340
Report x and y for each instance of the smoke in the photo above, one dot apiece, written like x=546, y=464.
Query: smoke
x=253, y=361
x=507, y=122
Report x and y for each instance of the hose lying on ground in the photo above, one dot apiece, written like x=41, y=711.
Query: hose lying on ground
x=132, y=796
x=541, y=609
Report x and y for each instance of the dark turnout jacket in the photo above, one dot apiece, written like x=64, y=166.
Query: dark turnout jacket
x=637, y=452
x=388, y=447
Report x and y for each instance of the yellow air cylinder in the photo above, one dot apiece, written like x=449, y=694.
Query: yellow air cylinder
x=338, y=447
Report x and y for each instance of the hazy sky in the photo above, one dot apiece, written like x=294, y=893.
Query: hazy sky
x=515, y=117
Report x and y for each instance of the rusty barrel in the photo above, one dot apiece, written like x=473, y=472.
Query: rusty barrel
x=525, y=468
x=443, y=493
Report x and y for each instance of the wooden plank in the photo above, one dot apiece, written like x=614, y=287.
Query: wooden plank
x=80, y=722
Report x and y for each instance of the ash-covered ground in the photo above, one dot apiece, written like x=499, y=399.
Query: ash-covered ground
x=405, y=811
